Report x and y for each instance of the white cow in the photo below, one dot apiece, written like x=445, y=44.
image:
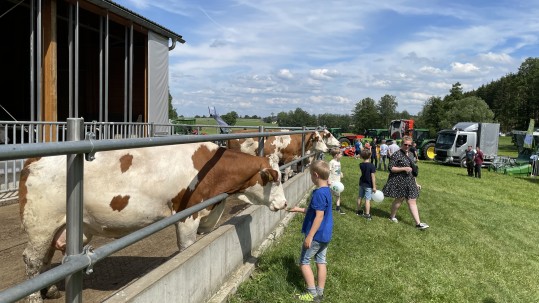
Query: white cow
x=126, y=190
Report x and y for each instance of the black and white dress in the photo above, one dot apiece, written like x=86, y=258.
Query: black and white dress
x=401, y=184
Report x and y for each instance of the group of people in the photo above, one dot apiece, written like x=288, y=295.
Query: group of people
x=318, y=222
x=380, y=154
x=474, y=161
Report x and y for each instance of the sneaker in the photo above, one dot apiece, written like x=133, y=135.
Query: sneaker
x=341, y=211
x=359, y=212
x=422, y=226
x=367, y=216
x=394, y=220
x=308, y=297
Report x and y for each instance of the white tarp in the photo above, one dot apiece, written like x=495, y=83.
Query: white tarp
x=157, y=78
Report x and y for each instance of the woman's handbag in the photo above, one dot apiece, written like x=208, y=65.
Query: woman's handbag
x=415, y=168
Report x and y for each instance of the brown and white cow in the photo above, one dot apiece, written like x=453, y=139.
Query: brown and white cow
x=329, y=139
x=126, y=190
x=286, y=147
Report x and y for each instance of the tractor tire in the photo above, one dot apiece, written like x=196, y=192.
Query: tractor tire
x=345, y=142
x=428, y=151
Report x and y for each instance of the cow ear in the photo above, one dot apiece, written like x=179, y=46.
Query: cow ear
x=269, y=175
x=274, y=175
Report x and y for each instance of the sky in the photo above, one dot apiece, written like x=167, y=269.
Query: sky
x=262, y=57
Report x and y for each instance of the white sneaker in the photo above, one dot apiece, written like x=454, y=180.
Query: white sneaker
x=422, y=226
x=394, y=220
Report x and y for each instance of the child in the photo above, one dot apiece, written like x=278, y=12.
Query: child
x=335, y=174
x=367, y=184
x=317, y=228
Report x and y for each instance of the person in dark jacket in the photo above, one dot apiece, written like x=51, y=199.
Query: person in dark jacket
x=478, y=161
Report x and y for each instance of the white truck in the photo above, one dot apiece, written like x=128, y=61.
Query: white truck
x=451, y=144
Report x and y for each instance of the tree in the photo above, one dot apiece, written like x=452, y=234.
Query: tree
x=172, y=113
x=469, y=109
x=296, y=118
x=230, y=118
x=387, y=109
x=332, y=120
x=365, y=116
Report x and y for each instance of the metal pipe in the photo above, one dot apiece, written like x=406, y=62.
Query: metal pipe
x=77, y=263
x=131, y=38
x=70, y=56
x=106, y=118
x=100, y=69
x=39, y=67
x=76, y=86
x=261, y=142
x=32, y=61
x=22, y=151
x=74, y=198
x=125, y=74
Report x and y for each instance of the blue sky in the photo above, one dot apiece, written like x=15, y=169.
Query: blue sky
x=262, y=57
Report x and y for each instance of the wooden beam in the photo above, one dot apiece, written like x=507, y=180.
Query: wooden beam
x=50, y=64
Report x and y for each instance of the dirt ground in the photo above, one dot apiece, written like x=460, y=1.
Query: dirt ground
x=110, y=274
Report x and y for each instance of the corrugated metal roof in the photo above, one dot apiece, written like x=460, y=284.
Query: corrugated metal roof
x=130, y=15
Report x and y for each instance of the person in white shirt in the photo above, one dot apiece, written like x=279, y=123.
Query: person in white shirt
x=335, y=174
x=383, y=155
x=393, y=148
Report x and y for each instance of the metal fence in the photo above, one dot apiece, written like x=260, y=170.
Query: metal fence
x=78, y=143
x=25, y=132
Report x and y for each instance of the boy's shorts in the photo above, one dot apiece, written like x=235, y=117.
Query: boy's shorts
x=317, y=249
x=365, y=192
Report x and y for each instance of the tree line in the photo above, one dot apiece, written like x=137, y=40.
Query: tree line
x=511, y=101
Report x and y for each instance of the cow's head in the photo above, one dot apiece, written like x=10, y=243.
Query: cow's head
x=329, y=139
x=316, y=142
x=265, y=187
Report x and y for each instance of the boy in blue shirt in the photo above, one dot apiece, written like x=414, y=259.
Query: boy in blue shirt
x=317, y=228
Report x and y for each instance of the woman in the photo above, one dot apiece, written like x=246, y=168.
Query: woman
x=401, y=184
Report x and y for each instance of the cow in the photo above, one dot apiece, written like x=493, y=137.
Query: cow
x=329, y=139
x=286, y=147
x=125, y=190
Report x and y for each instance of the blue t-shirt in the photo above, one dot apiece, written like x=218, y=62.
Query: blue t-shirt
x=367, y=168
x=320, y=200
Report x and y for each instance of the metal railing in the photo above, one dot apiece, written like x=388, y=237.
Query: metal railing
x=84, y=145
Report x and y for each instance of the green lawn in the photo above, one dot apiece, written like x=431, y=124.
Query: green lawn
x=482, y=245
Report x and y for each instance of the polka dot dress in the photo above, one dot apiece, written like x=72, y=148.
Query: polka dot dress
x=402, y=184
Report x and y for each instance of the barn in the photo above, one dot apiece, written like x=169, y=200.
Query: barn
x=83, y=58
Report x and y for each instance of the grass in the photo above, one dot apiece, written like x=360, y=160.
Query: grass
x=481, y=247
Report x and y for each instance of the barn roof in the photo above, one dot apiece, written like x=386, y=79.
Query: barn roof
x=130, y=15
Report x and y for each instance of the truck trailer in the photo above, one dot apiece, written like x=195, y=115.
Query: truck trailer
x=451, y=144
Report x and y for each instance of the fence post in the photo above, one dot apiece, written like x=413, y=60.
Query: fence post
x=303, y=147
x=261, y=142
x=74, y=195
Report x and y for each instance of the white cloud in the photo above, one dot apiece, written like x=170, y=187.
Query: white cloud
x=322, y=74
x=271, y=56
x=463, y=67
x=285, y=74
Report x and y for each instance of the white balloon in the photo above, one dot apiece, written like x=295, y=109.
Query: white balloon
x=378, y=196
x=337, y=186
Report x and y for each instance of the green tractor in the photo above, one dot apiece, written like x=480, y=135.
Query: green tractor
x=182, y=126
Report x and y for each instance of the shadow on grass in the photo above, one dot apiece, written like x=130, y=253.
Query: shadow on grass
x=293, y=276
x=488, y=300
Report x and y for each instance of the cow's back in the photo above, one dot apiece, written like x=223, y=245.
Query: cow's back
x=131, y=186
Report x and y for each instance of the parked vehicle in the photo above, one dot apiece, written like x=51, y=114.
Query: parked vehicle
x=451, y=144
x=346, y=139
x=379, y=133
x=405, y=127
